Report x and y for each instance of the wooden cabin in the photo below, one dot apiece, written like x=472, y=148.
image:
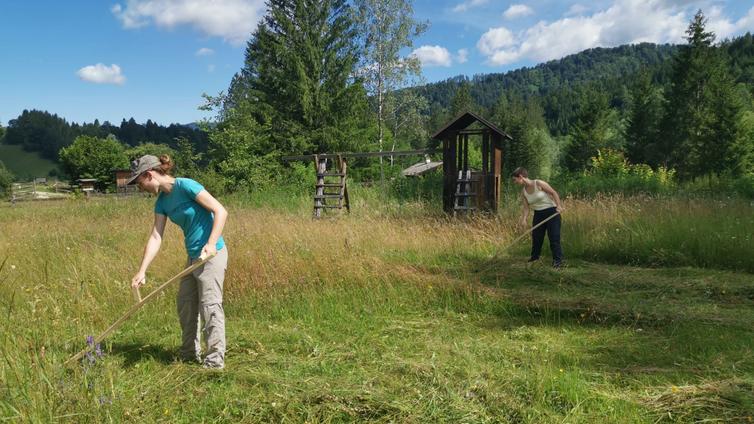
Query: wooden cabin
x=466, y=189
x=121, y=176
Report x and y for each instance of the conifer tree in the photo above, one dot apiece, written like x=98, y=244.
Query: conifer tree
x=589, y=131
x=644, y=115
x=298, y=73
x=523, y=121
x=462, y=101
x=700, y=130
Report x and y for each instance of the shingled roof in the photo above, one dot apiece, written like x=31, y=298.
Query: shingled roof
x=464, y=120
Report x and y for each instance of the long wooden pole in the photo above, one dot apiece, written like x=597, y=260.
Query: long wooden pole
x=136, y=307
x=499, y=252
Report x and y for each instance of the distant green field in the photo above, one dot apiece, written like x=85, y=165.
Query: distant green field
x=25, y=165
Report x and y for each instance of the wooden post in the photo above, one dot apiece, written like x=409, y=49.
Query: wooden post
x=465, y=152
x=496, y=141
x=483, y=195
x=344, y=190
x=321, y=166
x=450, y=157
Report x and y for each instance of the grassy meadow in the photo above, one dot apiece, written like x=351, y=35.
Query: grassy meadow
x=25, y=165
x=394, y=313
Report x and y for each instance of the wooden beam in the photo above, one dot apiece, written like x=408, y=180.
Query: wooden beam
x=360, y=155
x=474, y=132
x=320, y=164
x=484, y=194
x=465, y=152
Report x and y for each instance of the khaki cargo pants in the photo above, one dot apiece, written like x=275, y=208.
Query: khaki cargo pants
x=201, y=294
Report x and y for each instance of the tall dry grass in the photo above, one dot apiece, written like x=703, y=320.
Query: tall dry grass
x=394, y=303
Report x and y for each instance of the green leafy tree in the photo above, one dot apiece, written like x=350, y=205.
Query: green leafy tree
x=92, y=157
x=385, y=27
x=187, y=160
x=153, y=149
x=242, y=150
x=406, y=117
x=6, y=181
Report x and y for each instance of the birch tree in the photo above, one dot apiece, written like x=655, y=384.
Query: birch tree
x=385, y=28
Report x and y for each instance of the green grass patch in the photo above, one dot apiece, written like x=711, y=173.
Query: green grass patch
x=26, y=165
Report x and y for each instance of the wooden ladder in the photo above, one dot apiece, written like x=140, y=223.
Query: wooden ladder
x=330, y=193
x=463, y=194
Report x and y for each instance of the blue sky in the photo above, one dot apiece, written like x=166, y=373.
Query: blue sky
x=152, y=59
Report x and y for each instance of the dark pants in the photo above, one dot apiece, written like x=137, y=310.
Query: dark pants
x=552, y=227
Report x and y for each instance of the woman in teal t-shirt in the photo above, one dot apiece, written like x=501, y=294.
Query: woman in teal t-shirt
x=202, y=218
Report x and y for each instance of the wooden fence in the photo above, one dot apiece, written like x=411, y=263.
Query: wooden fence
x=33, y=190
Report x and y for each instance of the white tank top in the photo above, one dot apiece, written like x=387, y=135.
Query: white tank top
x=538, y=200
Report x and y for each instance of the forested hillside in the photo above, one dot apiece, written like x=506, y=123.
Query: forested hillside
x=557, y=84
x=47, y=133
x=655, y=114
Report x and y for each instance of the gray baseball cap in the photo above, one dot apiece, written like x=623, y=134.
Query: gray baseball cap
x=141, y=165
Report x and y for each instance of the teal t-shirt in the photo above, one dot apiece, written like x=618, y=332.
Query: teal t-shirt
x=181, y=207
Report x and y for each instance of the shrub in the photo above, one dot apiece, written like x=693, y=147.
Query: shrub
x=93, y=157
x=611, y=173
x=425, y=188
x=720, y=185
x=6, y=179
x=744, y=186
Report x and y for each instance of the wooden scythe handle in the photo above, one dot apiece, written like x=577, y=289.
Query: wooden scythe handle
x=136, y=307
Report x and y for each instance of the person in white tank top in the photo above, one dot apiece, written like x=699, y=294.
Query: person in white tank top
x=545, y=201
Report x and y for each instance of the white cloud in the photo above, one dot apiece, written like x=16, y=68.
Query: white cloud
x=204, y=51
x=462, y=7
x=517, y=11
x=462, y=56
x=576, y=10
x=625, y=21
x=723, y=27
x=495, y=39
x=502, y=57
x=233, y=20
x=433, y=56
x=101, y=74
x=747, y=22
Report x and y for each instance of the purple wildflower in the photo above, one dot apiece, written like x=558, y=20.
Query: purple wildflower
x=98, y=351
x=90, y=340
x=105, y=400
x=90, y=357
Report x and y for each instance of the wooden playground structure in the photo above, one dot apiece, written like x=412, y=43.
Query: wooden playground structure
x=464, y=189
